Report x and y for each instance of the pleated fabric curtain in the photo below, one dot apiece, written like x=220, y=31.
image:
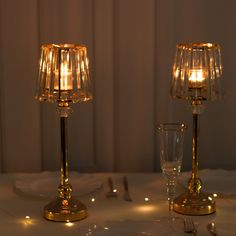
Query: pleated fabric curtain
x=131, y=45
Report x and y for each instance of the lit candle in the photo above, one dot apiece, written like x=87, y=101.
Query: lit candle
x=197, y=78
x=65, y=78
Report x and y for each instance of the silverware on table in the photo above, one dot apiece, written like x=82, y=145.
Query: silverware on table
x=112, y=191
x=126, y=196
x=211, y=227
x=189, y=226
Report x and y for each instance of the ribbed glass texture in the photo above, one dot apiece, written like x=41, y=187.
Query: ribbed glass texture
x=63, y=74
x=197, y=72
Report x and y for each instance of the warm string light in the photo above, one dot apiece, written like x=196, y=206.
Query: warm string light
x=27, y=221
x=146, y=208
x=146, y=199
x=69, y=224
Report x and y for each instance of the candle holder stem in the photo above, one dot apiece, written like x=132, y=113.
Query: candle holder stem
x=65, y=207
x=196, y=120
x=64, y=166
x=194, y=184
x=194, y=201
x=64, y=188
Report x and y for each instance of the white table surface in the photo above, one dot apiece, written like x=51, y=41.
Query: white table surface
x=14, y=207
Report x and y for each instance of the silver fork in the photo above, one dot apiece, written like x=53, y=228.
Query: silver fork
x=112, y=192
x=127, y=196
x=189, y=226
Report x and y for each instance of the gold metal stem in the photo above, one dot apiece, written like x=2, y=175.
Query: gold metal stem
x=194, y=201
x=65, y=207
x=64, y=188
x=64, y=151
x=194, y=184
x=195, y=145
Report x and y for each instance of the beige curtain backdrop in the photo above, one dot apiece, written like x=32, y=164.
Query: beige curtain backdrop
x=131, y=46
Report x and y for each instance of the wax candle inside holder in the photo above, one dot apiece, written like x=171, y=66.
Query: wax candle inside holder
x=197, y=78
x=65, y=78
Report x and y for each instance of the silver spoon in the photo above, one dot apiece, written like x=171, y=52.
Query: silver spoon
x=212, y=228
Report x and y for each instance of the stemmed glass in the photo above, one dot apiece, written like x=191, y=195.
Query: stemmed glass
x=171, y=137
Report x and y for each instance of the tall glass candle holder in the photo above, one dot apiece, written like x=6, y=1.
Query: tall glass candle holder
x=197, y=75
x=64, y=79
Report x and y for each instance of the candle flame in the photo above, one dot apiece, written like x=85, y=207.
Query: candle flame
x=196, y=76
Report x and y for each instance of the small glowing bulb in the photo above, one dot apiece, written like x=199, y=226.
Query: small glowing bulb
x=106, y=228
x=27, y=221
x=114, y=190
x=69, y=224
x=146, y=199
x=215, y=195
x=93, y=199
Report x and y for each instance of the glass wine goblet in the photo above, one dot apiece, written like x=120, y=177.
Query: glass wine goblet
x=171, y=138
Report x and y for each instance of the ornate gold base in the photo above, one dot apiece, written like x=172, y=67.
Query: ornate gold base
x=65, y=210
x=194, y=204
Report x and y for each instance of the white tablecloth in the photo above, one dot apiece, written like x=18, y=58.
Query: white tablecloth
x=21, y=214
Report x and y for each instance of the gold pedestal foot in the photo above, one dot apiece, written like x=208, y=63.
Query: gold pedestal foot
x=194, y=204
x=65, y=210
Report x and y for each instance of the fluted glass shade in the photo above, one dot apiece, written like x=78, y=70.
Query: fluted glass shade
x=63, y=74
x=197, y=72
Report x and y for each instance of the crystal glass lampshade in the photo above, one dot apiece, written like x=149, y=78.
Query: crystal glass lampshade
x=63, y=74
x=197, y=72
